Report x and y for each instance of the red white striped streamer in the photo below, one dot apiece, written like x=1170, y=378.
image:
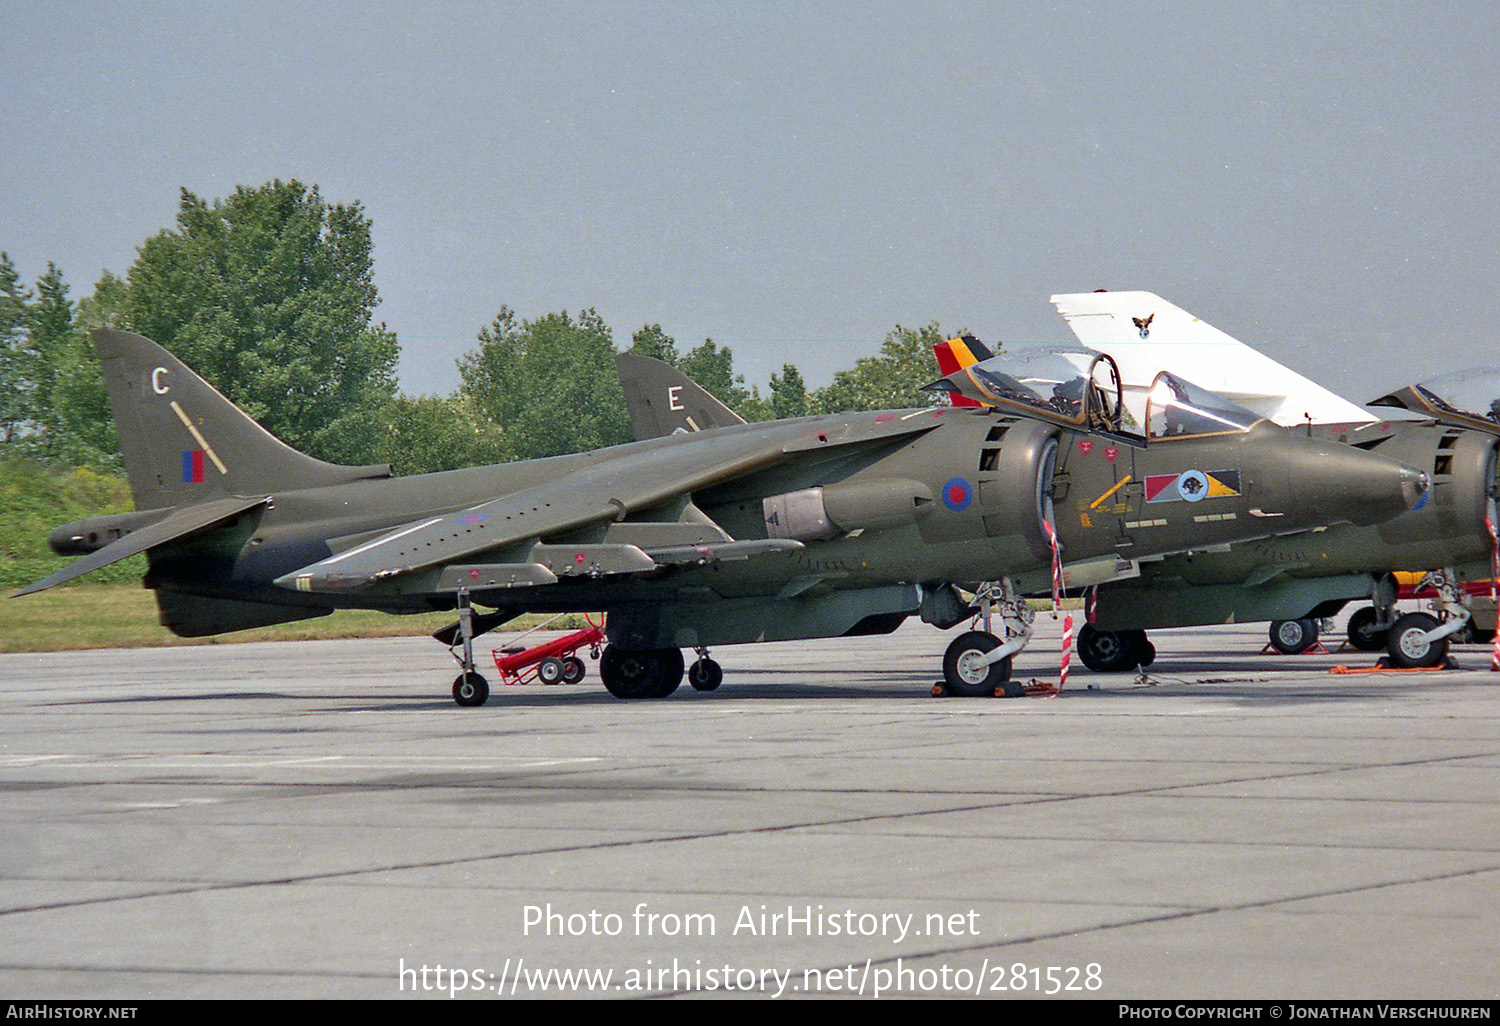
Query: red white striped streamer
x=1091, y=607
x=1067, y=651
x=1056, y=566
x=1057, y=587
x=1494, y=573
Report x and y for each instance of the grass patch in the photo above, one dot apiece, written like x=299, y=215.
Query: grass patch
x=35, y=498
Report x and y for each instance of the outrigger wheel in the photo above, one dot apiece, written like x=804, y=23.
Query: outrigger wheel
x=471, y=689
x=1291, y=637
x=964, y=675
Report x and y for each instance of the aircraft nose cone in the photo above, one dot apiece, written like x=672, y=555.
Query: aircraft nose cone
x=1414, y=485
x=1368, y=489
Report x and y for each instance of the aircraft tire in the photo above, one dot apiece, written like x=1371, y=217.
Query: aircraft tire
x=1405, y=647
x=1363, y=634
x=550, y=671
x=962, y=677
x=470, y=689
x=1291, y=637
x=1480, y=636
x=573, y=670
x=650, y=673
x=1145, y=652
x=705, y=675
x=669, y=663
x=1110, y=651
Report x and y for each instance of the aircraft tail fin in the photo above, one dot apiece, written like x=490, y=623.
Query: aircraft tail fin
x=661, y=400
x=1145, y=334
x=183, y=443
x=956, y=354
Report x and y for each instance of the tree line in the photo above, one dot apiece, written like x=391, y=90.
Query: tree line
x=269, y=294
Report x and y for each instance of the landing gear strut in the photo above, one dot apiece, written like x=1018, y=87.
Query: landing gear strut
x=469, y=689
x=1419, y=639
x=1369, y=627
x=977, y=662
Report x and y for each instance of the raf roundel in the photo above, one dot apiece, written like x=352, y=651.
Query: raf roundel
x=958, y=494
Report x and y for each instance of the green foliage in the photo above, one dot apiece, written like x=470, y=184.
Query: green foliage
x=52, y=403
x=35, y=498
x=269, y=295
x=549, y=386
x=84, y=423
x=429, y=433
x=18, y=369
x=890, y=381
x=788, y=394
x=712, y=367
x=653, y=342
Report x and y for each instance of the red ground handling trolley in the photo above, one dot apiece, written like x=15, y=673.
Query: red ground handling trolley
x=553, y=662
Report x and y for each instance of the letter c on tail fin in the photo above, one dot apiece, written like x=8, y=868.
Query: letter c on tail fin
x=184, y=443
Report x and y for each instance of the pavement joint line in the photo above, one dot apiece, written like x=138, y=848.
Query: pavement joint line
x=1167, y=917
x=689, y=788
x=672, y=839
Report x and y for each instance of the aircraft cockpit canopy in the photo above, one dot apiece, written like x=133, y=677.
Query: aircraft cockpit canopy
x=1176, y=408
x=1468, y=398
x=1066, y=385
x=1079, y=387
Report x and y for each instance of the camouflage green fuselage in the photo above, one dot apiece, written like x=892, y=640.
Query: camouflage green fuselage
x=960, y=501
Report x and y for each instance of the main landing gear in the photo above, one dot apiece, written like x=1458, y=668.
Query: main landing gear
x=1114, y=651
x=650, y=673
x=977, y=662
x=655, y=673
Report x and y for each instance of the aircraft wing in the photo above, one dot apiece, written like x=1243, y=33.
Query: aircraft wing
x=176, y=525
x=1145, y=334
x=603, y=492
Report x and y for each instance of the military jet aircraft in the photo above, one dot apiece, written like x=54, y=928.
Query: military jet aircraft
x=826, y=526
x=1295, y=580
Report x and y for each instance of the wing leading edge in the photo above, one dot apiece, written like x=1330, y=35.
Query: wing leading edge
x=601, y=493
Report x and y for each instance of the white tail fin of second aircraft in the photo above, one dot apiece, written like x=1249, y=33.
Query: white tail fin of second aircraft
x=1145, y=334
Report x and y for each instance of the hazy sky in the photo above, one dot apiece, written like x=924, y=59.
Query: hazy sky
x=795, y=179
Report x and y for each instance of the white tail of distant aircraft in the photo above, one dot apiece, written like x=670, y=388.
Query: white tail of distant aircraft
x=1144, y=333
